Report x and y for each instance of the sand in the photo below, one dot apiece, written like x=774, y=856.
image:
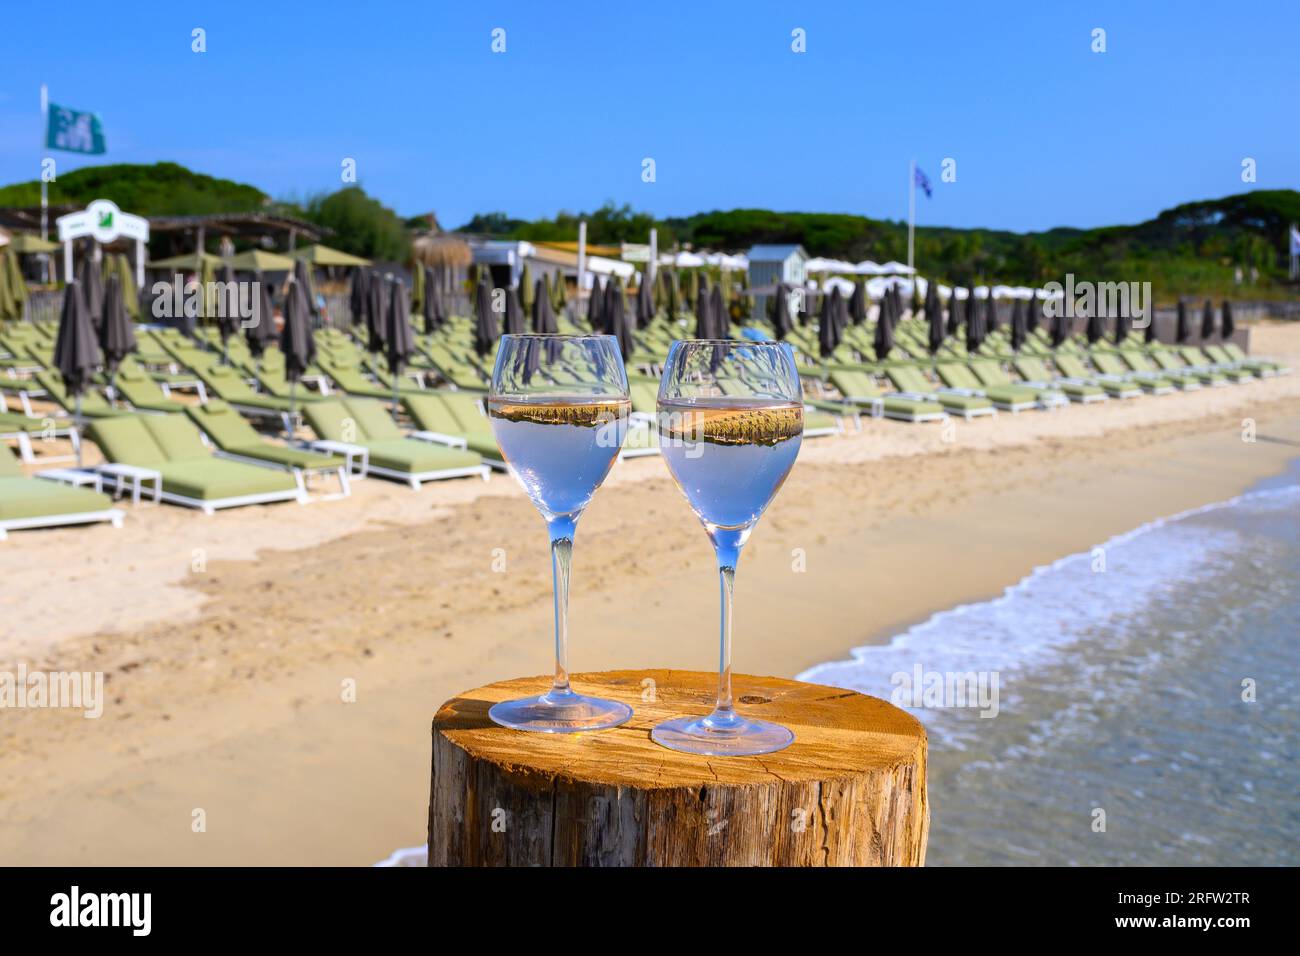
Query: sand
x=229, y=643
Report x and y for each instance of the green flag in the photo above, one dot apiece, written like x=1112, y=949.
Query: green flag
x=74, y=131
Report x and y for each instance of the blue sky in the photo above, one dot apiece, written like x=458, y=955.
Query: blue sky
x=1044, y=131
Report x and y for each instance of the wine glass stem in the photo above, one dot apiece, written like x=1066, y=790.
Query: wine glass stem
x=561, y=530
x=724, y=711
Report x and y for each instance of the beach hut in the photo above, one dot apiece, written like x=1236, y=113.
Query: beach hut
x=773, y=264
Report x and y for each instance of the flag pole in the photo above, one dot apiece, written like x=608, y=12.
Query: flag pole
x=45, y=187
x=582, y=261
x=911, y=210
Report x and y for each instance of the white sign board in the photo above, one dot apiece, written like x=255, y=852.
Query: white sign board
x=103, y=222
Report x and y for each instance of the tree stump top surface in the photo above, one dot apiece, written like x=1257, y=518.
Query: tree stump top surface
x=838, y=733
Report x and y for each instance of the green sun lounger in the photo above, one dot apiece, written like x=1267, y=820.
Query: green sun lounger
x=1072, y=367
x=911, y=383
x=858, y=388
x=139, y=390
x=990, y=373
x=454, y=421
x=1169, y=361
x=238, y=440
x=1222, y=359
x=453, y=368
x=50, y=386
x=190, y=474
x=1235, y=354
x=22, y=430
x=1010, y=398
x=1112, y=366
x=39, y=503
x=1142, y=367
x=1197, y=359
x=361, y=426
x=1035, y=373
x=227, y=383
x=348, y=377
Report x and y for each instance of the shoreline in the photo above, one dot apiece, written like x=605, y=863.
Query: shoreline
x=1269, y=484
x=225, y=695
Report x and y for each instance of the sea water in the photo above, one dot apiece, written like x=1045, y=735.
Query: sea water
x=1147, y=705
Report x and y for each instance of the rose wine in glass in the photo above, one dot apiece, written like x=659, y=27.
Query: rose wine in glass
x=730, y=427
x=559, y=408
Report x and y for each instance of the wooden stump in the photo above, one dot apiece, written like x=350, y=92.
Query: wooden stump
x=850, y=790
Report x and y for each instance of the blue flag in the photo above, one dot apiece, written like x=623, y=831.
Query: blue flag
x=74, y=131
x=923, y=181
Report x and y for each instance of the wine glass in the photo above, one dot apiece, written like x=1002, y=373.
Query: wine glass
x=730, y=426
x=559, y=407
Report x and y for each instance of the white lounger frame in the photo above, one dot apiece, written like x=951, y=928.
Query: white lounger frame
x=300, y=475
x=212, y=505
x=113, y=515
x=415, y=479
x=876, y=405
x=1097, y=383
x=1080, y=399
x=966, y=413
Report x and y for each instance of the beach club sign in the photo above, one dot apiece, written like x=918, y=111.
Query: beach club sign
x=103, y=222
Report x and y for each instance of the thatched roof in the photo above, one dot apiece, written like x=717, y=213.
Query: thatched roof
x=441, y=250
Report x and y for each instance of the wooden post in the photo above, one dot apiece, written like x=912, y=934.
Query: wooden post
x=850, y=790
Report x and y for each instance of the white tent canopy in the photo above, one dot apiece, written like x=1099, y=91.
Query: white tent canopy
x=835, y=282
x=610, y=267
x=723, y=261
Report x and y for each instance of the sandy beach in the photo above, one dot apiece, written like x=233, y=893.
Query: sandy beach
x=228, y=642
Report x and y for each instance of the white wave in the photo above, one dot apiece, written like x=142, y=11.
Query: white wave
x=1054, y=606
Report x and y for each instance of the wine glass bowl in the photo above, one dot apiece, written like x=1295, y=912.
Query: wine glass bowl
x=559, y=408
x=730, y=427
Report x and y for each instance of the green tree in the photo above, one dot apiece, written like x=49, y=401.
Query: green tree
x=361, y=224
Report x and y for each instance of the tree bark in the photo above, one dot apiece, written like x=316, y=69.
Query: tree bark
x=850, y=790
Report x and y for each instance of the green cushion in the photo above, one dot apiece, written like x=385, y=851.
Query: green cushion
x=409, y=455
x=177, y=437
x=910, y=406
x=645, y=397
x=37, y=498
x=283, y=455
x=328, y=419
x=212, y=478
x=965, y=403
x=464, y=407
x=818, y=420
x=957, y=376
x=125, y=440
x=8, y=463
x=269, y=402
x=224, y=425
x=430, y=413
x=373, y=420
x=11, y=422
x=1109, y=364
x=1119, y=388
x=92, y=403
x=852, y=384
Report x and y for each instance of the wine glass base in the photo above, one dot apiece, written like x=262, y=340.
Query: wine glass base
x=735, y=738
x=560, y=713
